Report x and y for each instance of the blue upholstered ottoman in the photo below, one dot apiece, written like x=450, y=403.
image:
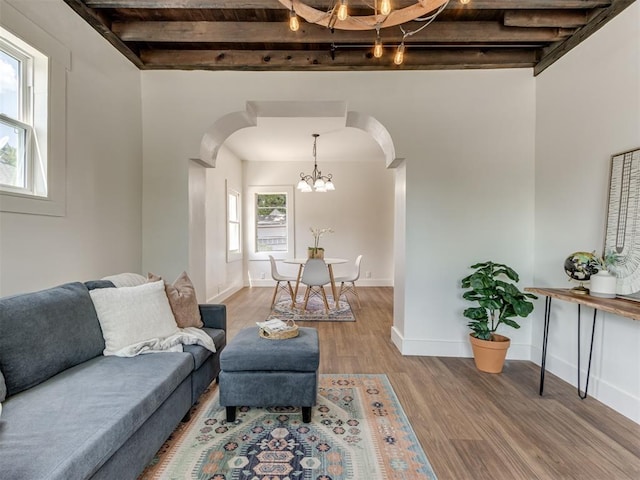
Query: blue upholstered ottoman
x=260, y=372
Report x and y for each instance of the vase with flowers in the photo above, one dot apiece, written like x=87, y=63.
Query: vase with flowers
x=316, y=251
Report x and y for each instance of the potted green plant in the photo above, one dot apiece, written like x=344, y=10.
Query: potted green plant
x=493, y=286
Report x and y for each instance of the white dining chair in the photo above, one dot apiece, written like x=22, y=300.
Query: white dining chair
x=348, y=282
x=283, y=283
x=315, y=276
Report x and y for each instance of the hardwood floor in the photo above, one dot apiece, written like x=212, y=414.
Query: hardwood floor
x=472, y=425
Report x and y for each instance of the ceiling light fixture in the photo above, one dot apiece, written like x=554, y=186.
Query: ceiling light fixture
x=337, y=16
x=316, y=181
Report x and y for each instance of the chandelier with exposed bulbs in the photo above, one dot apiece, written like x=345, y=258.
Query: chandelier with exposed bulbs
x=337, y=16
x=316, y=181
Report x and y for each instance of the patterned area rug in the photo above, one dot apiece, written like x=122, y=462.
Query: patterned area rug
x=358, y=431
x=315, y=311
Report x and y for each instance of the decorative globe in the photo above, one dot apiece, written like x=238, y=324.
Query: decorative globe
x=581, y=265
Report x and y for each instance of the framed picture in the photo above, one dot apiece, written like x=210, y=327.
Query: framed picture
x=623, y=220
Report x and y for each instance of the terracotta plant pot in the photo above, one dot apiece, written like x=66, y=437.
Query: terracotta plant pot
x=489, y=355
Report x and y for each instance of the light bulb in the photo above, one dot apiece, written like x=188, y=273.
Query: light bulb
x=399, y=56
x=342, y=10
x=464, y=2
x=294, y=23
x=385, y=7
x=319, y=184
x=377, y=47
x=329, y=186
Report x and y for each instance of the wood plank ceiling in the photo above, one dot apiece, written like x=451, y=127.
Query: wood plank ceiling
x=254, y=34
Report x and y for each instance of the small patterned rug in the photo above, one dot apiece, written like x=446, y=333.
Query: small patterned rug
x=315, y=311
x=358, y=431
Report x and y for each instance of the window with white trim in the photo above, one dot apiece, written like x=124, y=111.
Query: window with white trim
x=23, y=117
x=42, y=81
x=271, y=222
x=234, y=220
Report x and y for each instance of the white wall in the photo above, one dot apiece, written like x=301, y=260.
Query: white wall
x=588, y=108
x=400, y=257
x=469, y=198
x=197, y=227
x=101, y=231
x=360, y=211
x=223, y=277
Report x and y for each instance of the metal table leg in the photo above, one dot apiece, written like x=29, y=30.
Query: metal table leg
x=593, y=329
x=545, y=340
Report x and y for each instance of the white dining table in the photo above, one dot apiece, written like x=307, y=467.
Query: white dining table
x=330, y=261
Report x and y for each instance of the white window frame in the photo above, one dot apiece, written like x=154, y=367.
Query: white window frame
x=251, y=216
x=29, y=60
x=30, y=163
x=234, y=255
x=46, y=194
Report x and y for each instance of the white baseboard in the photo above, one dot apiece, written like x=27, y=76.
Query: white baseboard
x=621, y=401
x=449, y=348
x=396, y=338
x=267, y=282
x=226, y=293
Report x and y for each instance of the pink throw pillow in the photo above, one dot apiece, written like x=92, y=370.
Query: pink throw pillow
x=183, y=301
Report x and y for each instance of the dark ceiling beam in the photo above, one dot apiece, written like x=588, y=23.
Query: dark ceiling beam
x=99, y=23
x=542, y=18
x=341, y=60
x=272, y=32
x=556, y=51
x=322, y=4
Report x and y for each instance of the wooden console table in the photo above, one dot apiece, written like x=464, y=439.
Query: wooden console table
x=618, y=306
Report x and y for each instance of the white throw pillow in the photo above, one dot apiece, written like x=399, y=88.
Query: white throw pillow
x=126, y=279
x=131, y=315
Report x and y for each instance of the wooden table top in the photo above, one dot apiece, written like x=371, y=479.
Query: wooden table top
x=619, y=306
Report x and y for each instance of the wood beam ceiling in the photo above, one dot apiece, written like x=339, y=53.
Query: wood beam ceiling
x=319, y=4
x=340, y=60
x=271, y=32
x=253, y=34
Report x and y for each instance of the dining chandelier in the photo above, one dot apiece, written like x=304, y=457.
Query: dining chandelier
x=338, y=16
x=316, y=181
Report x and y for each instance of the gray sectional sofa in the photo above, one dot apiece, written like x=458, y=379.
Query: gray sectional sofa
x=71, y=413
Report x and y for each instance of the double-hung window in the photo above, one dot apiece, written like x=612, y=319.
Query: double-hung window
x=23, y=73
x=33, y=123
x=234, y=236
x=271, y=222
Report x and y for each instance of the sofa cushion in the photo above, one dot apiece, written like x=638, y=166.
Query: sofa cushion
x=199, y=353
x=133, y=315
x=3, y=388
x=46, y=332
x=93, y=284
x=183, y=301
x=71, y=424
